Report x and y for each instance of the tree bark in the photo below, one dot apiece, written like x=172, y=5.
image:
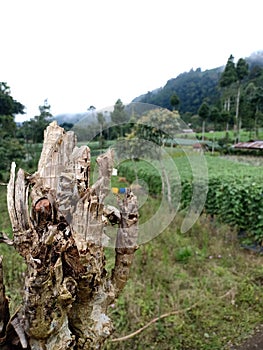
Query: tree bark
x=237, y=121
x=58, y=221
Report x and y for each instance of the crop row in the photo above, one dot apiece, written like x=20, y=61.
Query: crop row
x=234, y=197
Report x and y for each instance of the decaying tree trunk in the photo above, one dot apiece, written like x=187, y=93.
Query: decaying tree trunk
x=58, y=222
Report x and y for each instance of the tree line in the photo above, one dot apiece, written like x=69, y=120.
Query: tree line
x=22, y=142
x=241, y=99
x=19, y=142
x=221, y=98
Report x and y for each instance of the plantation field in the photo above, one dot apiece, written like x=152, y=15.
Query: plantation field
x=229, y=190
x=238, y=167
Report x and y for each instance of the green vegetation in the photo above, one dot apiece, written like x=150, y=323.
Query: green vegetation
x=19, y=144
x=191, y=88
x=231, y=97
x=201, y=288
x=229, y=136
x=4, y=218
x=235, y=194
x=211, y=288
x=13, y=263
x=10, y=147
x=32, y=131
x=209, y=285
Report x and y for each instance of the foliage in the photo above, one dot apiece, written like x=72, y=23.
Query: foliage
x=9, y=106
x=191, y=88
x=33, y=130
x=119, y=116
x=13, y=264
x=149, y=134
x=245, y=135
x=11, y=149
x=229, y=75
x=231, y=82
x=235, y=194
x=142, y=170
x=223, y=88
x=174, y=101
x=214, y=286
x=204, y=111
x=239, y=203
x=158, y=124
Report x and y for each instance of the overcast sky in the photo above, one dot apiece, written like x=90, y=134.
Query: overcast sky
x=82, y=52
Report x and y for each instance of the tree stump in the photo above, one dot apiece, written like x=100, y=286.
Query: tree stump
x=58, y=220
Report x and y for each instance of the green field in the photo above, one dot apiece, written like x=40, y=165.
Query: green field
x=244, y=135
x=222, y=187
x=203, y=289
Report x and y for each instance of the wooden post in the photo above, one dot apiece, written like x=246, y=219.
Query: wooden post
x=58, y=221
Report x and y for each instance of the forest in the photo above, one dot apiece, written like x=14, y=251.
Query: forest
x=217, y=90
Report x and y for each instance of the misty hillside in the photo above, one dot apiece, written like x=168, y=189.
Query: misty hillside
x=70, y=118
x=193, y=87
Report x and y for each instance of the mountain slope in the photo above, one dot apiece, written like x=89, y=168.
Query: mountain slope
x=193, y=87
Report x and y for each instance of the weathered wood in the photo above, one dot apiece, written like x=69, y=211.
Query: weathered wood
x=126, y=243
x=58, y=222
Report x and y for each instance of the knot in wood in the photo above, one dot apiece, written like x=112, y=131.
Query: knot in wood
x=43, y=205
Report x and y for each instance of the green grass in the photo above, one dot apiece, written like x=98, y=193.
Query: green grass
x=204, y=275
x=214, y=285
x=217, y=135
x=12, y=263
x=185, y=158
x=4, y=218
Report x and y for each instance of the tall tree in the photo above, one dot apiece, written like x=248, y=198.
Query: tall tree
x=204, y=112
x=241, y=72
x=231, y=83
x=38, y=124
x=228, y=77
x=174, y=101
x=254, y=95
x=8, y=109
x=215, y=116
x=150, y=133
x=101, y=121
x=10, y=147
x=9, y=106
x=119, y=116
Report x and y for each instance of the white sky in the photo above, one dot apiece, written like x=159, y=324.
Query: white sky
x=82, y=52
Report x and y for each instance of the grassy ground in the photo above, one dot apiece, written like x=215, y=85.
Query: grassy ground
x=213, y=287
x=207, y=286
x=4, y=218
x=244, y=135
x=12, y=263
